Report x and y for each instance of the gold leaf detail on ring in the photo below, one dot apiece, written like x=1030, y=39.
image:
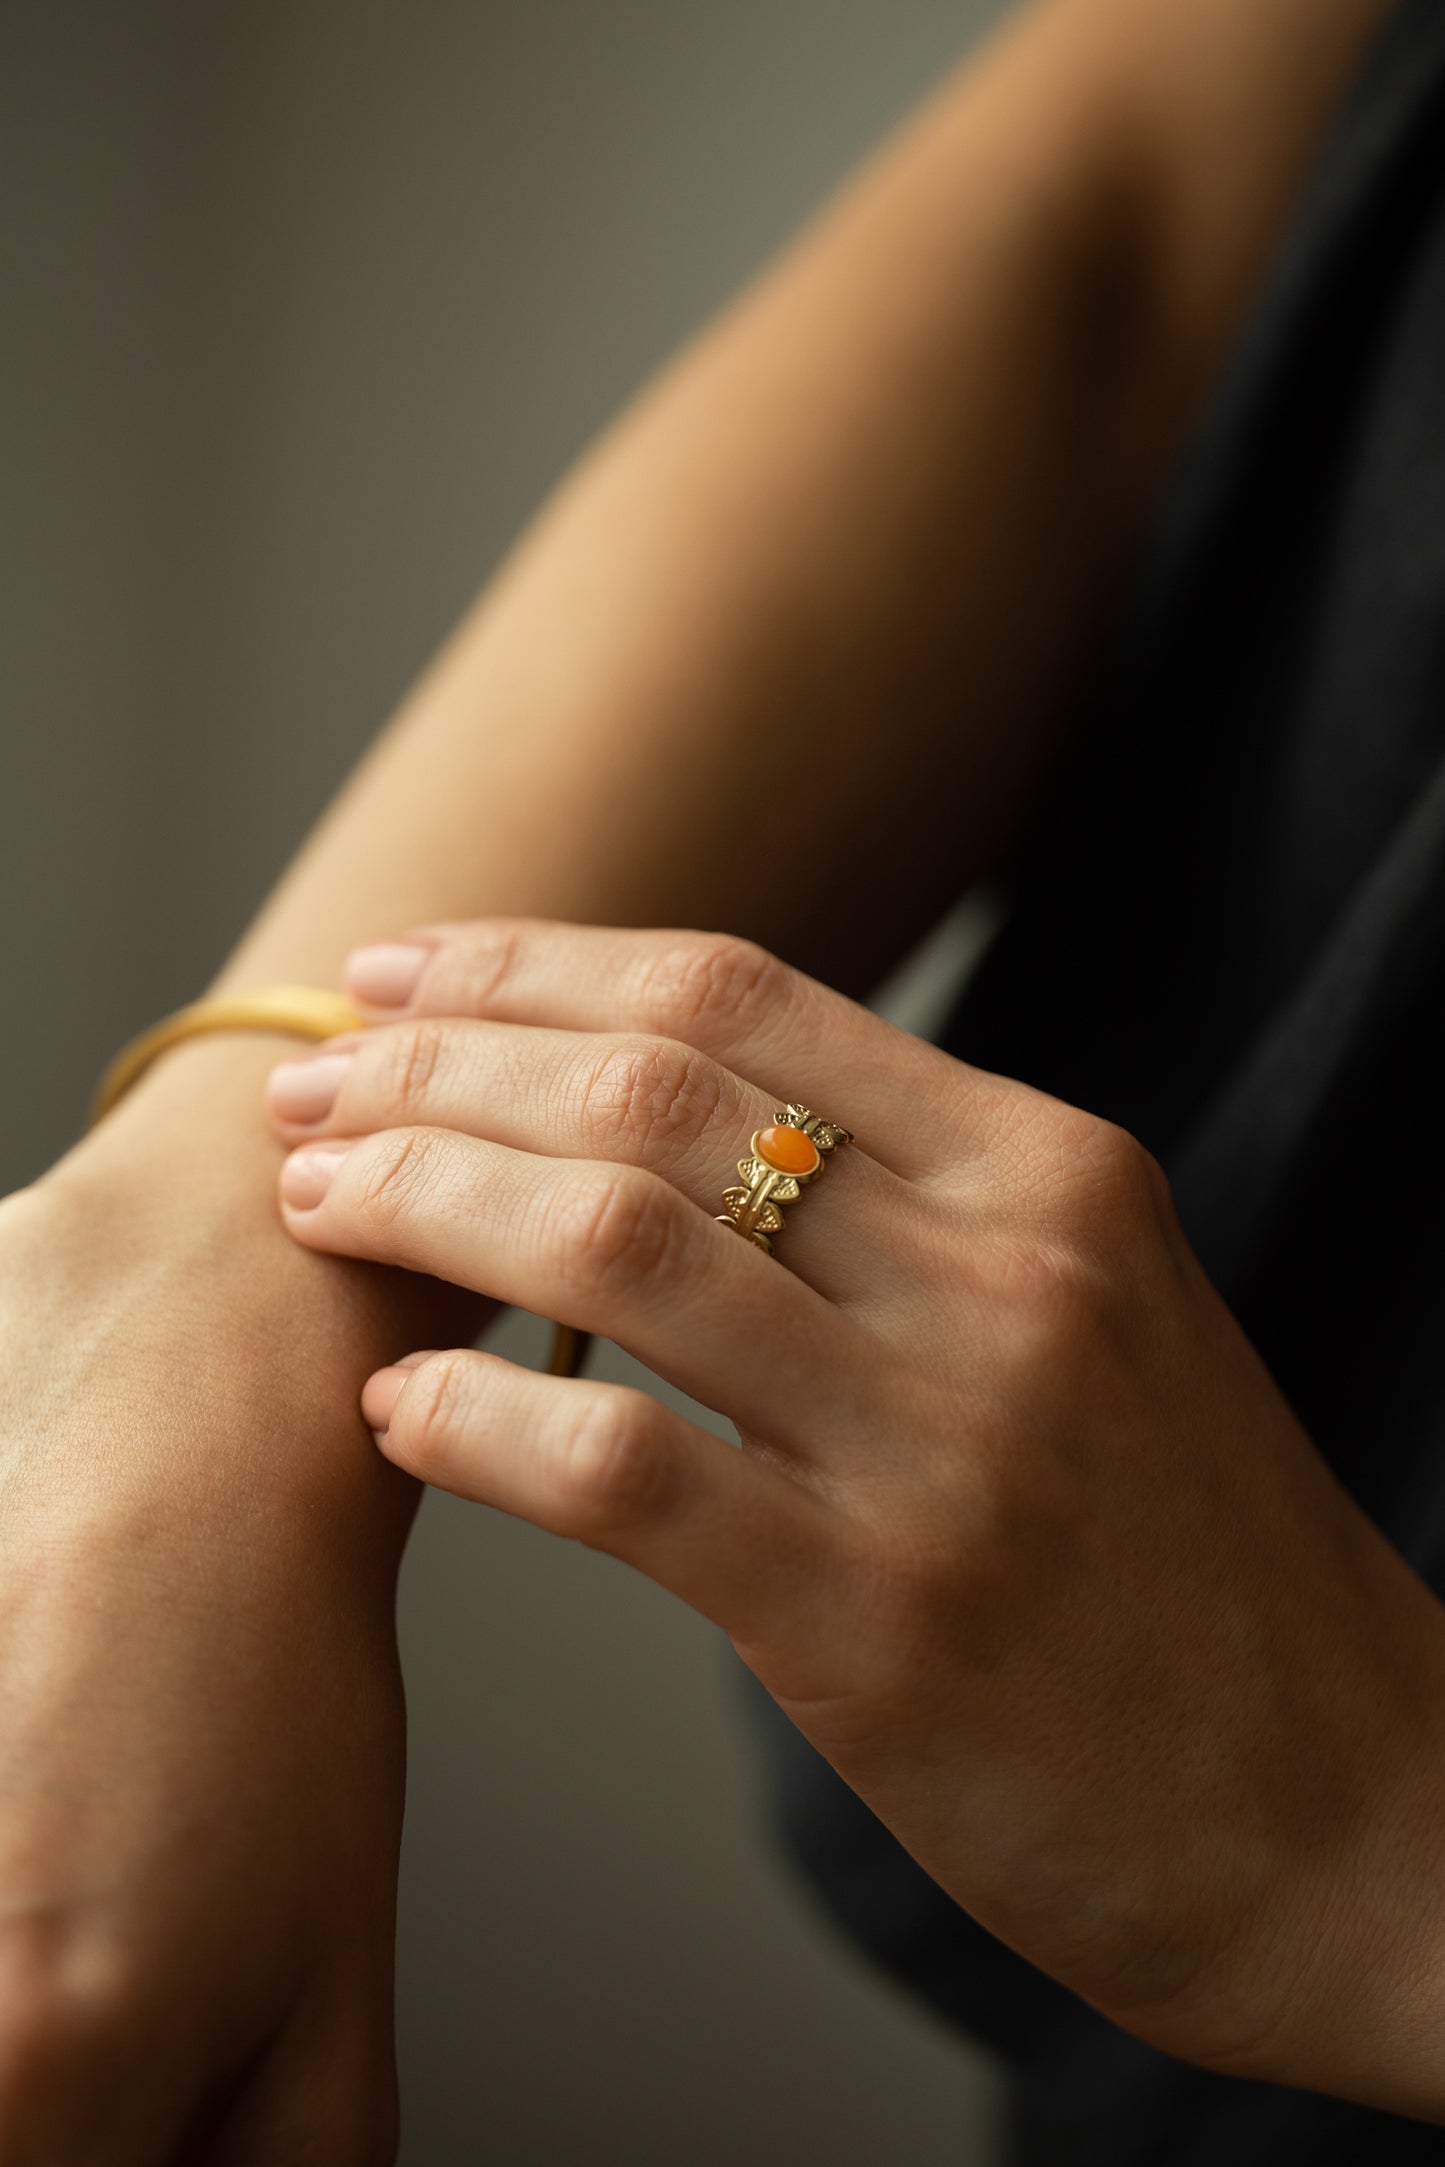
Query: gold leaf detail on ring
x=784, y=1188
x=760, y=1241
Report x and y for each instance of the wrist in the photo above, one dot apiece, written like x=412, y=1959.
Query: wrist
x=1389, y=1945
x=181, y=1177
x=154, y=1250
x=191, y=1127
x=1355, y=1958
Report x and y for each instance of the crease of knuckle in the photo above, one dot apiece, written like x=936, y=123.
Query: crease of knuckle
x=415, y=1057
x=396, y=1174
x=614, y=1472
x=480, y=966
x=617, y=1235
x=648, y=1096
x=708, y=978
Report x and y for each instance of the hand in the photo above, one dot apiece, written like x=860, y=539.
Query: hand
x=1021, y=1534
x=201, y=1750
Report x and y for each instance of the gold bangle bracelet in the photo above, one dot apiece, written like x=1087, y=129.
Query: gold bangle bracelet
x=303, y=1011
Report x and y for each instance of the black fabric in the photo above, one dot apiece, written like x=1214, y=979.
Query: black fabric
x=1228, y=934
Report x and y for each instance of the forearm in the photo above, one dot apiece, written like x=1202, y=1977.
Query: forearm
x=161, y=1278
x=827, y=592
x=818, y=604
x=723, y=669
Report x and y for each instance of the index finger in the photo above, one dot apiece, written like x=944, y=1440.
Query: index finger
x=801, y=1041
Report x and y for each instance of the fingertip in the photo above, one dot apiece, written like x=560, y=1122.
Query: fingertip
x=382, y=1390
x=307, y=1173
x=303, y=1091
x=385, y=975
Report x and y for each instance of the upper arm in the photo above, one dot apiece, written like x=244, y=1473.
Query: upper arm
x=1189, y=125
x=879, y=511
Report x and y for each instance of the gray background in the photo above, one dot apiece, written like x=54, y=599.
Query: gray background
x=304, y=307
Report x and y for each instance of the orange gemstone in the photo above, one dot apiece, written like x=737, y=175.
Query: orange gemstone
x=787, y=1149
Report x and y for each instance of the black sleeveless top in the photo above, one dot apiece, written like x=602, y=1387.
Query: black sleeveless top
x=1227, y=932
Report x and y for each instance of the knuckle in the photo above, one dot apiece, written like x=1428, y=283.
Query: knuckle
x=416, y=1055
x=1111, y=1164
x=617, y=1230
x=396, y=1171
x=1105, y=1176
x=709, y=976
x=650, y=1094
x=480, y=964
x=1154, y=1188
x=615, y=1469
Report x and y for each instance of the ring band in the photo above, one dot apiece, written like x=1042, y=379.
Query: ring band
x=790, y=1151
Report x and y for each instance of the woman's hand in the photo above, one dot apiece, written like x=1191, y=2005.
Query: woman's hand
x=201, y=1740
x=1021, y=1534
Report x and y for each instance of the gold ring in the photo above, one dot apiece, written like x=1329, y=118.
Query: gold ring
x=790, y=1151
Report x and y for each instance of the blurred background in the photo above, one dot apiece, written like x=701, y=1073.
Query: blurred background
x=305, y=307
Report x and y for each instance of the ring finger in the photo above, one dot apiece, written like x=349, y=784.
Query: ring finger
x=611, y=1249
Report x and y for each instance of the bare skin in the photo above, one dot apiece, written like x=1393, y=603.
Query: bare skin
x=889, y=498
x=1021, y=1535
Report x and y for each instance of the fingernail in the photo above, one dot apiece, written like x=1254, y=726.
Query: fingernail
x=307, y=1174
x=385, y=976
x=382, y=1390
x=306, y=1090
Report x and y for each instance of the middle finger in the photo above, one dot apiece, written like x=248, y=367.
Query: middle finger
x=625, y=1098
